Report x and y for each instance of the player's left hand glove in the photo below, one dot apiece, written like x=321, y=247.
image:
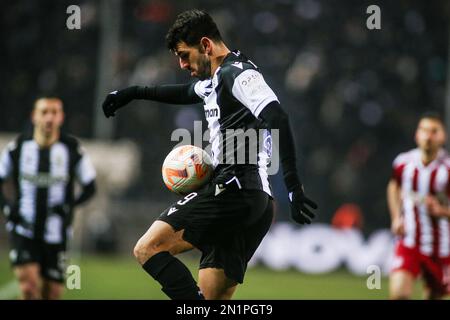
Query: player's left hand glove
x=61, y=209
x=117, y=99
x=65, y=212
x=300, y=213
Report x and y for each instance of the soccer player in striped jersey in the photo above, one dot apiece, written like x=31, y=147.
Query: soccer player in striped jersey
x=228, y=218
x=418, y=195
x=43, y=166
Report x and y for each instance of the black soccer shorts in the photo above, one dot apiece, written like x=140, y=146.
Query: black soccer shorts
x=226, y=225
x=50, y=257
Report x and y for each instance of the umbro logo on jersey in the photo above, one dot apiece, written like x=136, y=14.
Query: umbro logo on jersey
x=172, y=210
x=238, y=65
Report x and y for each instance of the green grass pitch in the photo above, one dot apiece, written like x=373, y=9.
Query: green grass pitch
x=120, y=277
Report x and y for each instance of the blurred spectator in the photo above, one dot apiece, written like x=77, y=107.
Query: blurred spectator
x=348, y=216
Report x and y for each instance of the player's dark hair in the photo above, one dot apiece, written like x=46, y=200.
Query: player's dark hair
x=433, y=115
x=47, y=95
x=189, y=27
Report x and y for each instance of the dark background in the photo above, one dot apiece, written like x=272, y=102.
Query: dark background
x=353, y=95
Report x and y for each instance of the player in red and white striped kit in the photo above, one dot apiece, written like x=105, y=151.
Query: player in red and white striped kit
x=418, y=194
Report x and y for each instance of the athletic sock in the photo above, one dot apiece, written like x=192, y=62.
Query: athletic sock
x=175, y=278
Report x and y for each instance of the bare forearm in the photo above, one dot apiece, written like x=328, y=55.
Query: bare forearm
x=446, y=212
x=436, y=209
x=394, y=200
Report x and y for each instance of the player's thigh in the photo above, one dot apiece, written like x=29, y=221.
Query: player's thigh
x=29, y=277
x=52, y=290
x=160, y=237
x=215, y=285
x=401, y=284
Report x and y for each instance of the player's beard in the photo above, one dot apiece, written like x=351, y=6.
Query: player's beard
x=430, y=149
x=204, y=67
x=428, y=146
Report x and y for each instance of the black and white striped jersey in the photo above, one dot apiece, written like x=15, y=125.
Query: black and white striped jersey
x=44, y=178
x=233, y=99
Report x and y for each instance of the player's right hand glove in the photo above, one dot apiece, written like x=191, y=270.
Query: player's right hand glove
x=300, y=213
x=11, y=213
x=118, y=99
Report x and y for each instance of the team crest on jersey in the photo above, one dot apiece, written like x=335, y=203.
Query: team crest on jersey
x=268, y=144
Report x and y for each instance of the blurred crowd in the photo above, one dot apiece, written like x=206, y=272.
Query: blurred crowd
x=353, y=94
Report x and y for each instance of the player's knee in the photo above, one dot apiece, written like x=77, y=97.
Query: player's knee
x=145, y=249
x=218, y=293
x=54, y=294
x=399, y=295
x=30, y=289
x=216, y=296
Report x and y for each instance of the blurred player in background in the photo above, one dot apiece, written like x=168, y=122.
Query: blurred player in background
x=228, y=219
x=418, y=202
x=43, y=167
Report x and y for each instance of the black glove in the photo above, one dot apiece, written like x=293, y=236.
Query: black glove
x=11, y=213
x=118, y=99
x=61, y=209
x=299, y=212
x=65, y=212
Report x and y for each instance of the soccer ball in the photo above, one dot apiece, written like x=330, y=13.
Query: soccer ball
x=186, y=168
